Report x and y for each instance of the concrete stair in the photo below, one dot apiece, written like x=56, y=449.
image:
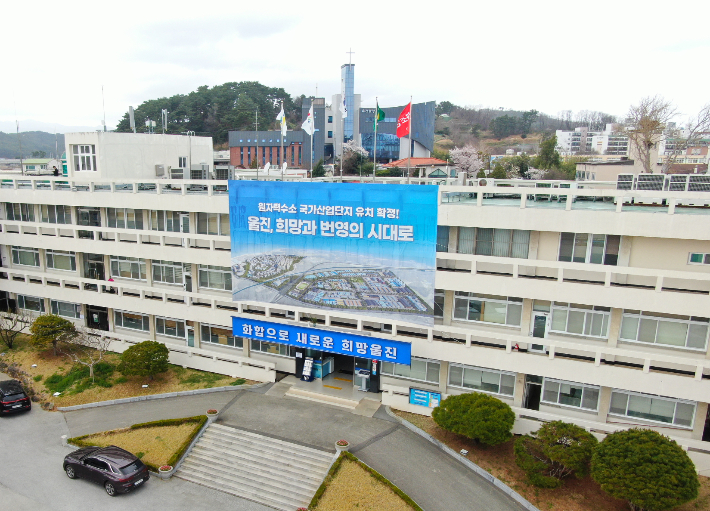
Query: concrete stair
x=342, y=402
x=266, y=470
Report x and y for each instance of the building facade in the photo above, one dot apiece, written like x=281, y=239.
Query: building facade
x=597, y=316
x=582, y=141
x=264, y=147
x=389, y=146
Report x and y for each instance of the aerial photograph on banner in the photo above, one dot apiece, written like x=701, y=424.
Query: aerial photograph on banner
x=367, y=248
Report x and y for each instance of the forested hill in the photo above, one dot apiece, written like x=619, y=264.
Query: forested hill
x=216, y=111
x=36, y=142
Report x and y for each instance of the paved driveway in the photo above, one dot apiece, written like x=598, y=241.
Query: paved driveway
x=31, y=476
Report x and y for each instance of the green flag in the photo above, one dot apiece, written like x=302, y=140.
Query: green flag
x=379, y=116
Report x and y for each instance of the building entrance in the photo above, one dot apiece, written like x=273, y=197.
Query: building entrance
x=337, y=371
x=533, y=391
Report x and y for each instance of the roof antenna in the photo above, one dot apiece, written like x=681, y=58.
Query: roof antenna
x=103, y=102
x=17, y=125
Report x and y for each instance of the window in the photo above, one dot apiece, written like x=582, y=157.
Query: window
x=125, y=218
x=213, y=223
x=330, y=119
x=565, y=393
x=20, y=212
x=25, y=256
x=330, y=134
x=215, y=277
x=220, y=335
x=283, y=350
x=494, y=242
x=695, y=258
x=61, y=260
x=488, y=308
x=442, y=238
x=128, y=267
x=30, y=303
x=484, y=380
x=170, y=327
x=653, y=408
x=84, y=157
x=168, y=272
x=55, y=214
x=66, y=309
x=576, y=319
x=439, y=303
x=421, y=369
x=665, y=329
x=589, y=248
x=132, y=320
x=182, y=161
x=170, y=221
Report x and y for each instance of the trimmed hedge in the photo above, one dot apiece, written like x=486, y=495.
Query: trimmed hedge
x=198, y=420
x=374, y=473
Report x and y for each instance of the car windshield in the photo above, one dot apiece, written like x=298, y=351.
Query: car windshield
x=129, y=469
x=12, y=397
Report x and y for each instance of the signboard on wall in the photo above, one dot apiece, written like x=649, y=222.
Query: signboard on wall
x=423, y=397
x=342, y=343
x=364, y=248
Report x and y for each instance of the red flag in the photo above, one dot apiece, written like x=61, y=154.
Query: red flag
x=403, y=121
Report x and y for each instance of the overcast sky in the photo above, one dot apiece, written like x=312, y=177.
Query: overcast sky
x=546, y=55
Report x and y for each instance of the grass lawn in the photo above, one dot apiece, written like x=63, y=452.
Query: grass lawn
x=574, y=495
x=156, y=444
x=58, y=374
x=353, y=487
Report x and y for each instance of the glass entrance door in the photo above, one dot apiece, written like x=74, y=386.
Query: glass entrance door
x=190, y=335
x=539, y=327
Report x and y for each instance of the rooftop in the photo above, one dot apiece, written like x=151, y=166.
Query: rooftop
x=417, y=162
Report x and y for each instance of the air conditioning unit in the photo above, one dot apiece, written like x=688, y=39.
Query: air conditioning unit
x=159, y=170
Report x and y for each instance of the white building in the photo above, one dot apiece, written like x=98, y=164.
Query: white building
x=597, y=316
x=583, y=141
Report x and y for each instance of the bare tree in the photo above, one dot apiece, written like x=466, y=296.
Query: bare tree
x=87, y=348
x=468, y=159
x=682, y=141
x=644, y=125
x=12, y=325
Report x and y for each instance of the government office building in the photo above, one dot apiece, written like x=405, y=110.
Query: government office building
x=589, y=306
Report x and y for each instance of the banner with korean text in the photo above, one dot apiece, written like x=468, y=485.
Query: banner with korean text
x=355, y=345
x=364, y=248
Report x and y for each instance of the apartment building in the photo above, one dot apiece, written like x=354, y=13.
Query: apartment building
x=584, y=307
x=582, y=141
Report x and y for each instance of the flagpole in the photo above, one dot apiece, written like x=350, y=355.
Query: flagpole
x=257, y=142
x=283, y=159
x=374, y=153
x=409, y=139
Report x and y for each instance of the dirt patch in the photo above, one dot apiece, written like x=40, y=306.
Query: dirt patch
x=113, y=386
x=354, y=488
x=153, y=446
x=575, y=495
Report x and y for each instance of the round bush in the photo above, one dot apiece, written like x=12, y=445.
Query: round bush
x=650, y=471
x=477, y=416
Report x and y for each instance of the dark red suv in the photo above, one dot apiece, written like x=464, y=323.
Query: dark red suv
x=117, y=470
x=13, y=397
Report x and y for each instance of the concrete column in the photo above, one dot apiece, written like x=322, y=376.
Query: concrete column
x=604, y=402
x=47, y=306
x=624, y=257
x=195, y=276
x=111, y=325
x=614, y=327
x=42, y=260
x=149, y=272
x=80, y=263
x=443, y=376
x=534, y=244
x=151, y=326
x=526, y=316
x=246, y=348
x=107, y=266
x=700, y=415
x=448, y=306
x=453, y=239
x=519, y=392
x=198, y=334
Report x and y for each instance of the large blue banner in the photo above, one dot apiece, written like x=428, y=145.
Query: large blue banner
x=324, y=340
x=364, y=248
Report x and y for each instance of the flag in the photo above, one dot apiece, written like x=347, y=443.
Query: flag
x=307, y=125
x=403, y=121
x=344, y=108
x=282, y=118
x=379, y=116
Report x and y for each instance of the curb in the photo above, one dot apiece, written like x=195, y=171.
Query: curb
x=158, y=396
x=468, y=463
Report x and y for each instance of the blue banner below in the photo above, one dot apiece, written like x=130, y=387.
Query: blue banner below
x=341, y=343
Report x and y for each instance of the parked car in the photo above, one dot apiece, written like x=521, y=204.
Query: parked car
x=116, y=469
x=13, y=397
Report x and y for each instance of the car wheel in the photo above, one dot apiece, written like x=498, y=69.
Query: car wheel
x=110, y=489
x=70, y=472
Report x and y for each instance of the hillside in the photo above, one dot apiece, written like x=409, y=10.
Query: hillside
x=31, y=141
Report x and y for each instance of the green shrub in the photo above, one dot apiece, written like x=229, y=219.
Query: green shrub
x=146, y=358
x=478, y=416
x=650, y=471
x=120, y=379
x=555, y=451
x=37, y=378
x=238, y=381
